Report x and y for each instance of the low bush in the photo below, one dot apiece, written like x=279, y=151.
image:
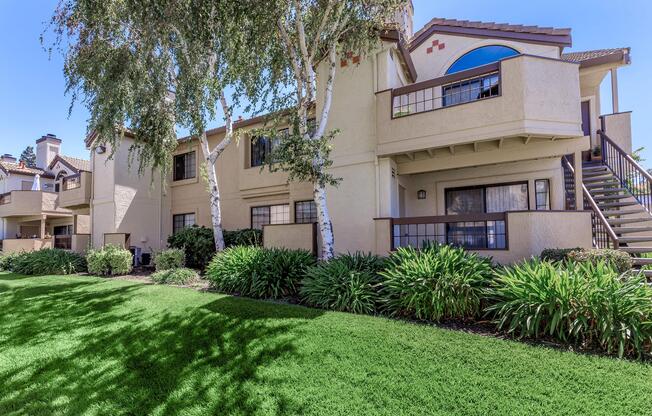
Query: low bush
x=582, y=303
x=620, y=260
x=258, y=272
x=172, y=258
x=557, y=254
x=48, y=261
x=178, y=276
x=7, y=260
x=245, y=237
x=197, y=243
x=110, y=260
x=348, y=283
x=435, y=283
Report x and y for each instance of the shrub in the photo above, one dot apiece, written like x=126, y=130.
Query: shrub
x=245, y=237
x=258, y=272
x=110, y=260
x=436, y=282
x=197, y=243
x=172, y=258
x=48, y=261
x=586, y=303
x=620, y=260
x=348, y=283
x=177, y=276
x=557, y=254
x=7, y=260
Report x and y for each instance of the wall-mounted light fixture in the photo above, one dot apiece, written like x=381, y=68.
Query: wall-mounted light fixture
x=100, y=150
x=421, y=194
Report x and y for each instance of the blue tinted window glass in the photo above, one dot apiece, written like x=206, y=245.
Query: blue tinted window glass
x=481, y=56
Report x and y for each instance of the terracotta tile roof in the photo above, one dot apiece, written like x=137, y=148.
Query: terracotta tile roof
x=598, y=56
x=79, y=164
x=486, y=29
x=9, y=167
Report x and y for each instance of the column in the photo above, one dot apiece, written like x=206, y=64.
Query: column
x=614, y=90
x=42, y=232
x=579, y=195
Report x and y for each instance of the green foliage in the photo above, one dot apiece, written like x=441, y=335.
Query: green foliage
x=110, y=260
x=258, y=272
x=620, y=260
x=172, y=258
x=435, y=283
x=197, y=243
x=348, y=283
x=48, y=261
x=7, y=260
x=557, y=254
x=244, y=237
x=28, y=157
x=177, y=276
x=584, y=303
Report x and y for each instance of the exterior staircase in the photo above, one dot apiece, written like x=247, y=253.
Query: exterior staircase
x=619, y=192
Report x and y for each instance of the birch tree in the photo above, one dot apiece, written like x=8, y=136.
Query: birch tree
x=314, y=33
x=152, y=65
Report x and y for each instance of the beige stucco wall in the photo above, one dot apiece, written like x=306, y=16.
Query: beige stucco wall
x=526, y=83
x=81, y=243
x=619, y=129
x=25, y=245
x=78, y=197
x=290, y=236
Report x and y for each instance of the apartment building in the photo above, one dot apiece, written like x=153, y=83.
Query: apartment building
x=38, y=208
x=478, y=134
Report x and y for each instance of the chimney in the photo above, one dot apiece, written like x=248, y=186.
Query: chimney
x=47, y=148
x=403, y=18
x=7, y=158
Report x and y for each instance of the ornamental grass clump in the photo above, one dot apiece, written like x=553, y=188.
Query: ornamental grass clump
x=47, y=261
x=587, y=304
x=259, y=272
x=435, y=283
x=349, y=283
x=172, y=258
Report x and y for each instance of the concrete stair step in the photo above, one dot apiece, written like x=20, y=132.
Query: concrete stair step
x=598, y=191
x=642, y=261
x=636, y=250
x=593, y=167
x=610, y=197
x=605, y=184
x=630, y=230
x=592, y=173
x=621, y=212
x=598, y=178
x=620, y=221
x=616, y=204
x=626, y=240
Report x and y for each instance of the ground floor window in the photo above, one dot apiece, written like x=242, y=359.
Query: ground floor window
x=542, y=194
x=270, y=214
x=63, y=236
x=181, y=221
x=305, y=212
x=483, y=199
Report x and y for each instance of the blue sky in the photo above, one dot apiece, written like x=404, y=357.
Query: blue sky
x=32, y=100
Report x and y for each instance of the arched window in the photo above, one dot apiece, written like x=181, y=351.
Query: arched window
x=481, y=56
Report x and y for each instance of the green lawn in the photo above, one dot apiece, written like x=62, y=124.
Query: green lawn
x=83, y=345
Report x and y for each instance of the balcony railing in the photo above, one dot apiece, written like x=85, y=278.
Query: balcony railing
x=459, y=88
x=5, y=198
x=471, y=231
x=76, y=190
x=72, y=182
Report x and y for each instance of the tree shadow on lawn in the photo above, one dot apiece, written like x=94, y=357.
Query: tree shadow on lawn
x=104, y=356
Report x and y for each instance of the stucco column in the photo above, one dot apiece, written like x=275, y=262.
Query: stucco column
x=386, y=187
x=42, y=232
x=614, y=90
x=579, y=195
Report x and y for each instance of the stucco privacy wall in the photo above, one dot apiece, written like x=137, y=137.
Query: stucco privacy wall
x=25, y=245
x=291, y=236
x=435, y=64
x=619, y=129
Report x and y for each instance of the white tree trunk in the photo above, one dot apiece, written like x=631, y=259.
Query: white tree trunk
x=214, y=195
x=324, y=222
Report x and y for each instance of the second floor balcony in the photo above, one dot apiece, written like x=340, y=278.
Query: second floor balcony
x=522, y=96
x=30, y=203
x=75, y=191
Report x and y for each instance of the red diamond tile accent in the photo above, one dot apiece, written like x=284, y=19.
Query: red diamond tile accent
x=344, y=63
x=435, y=42
x=356, y=59
x=442, y=46
x=429, y=50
